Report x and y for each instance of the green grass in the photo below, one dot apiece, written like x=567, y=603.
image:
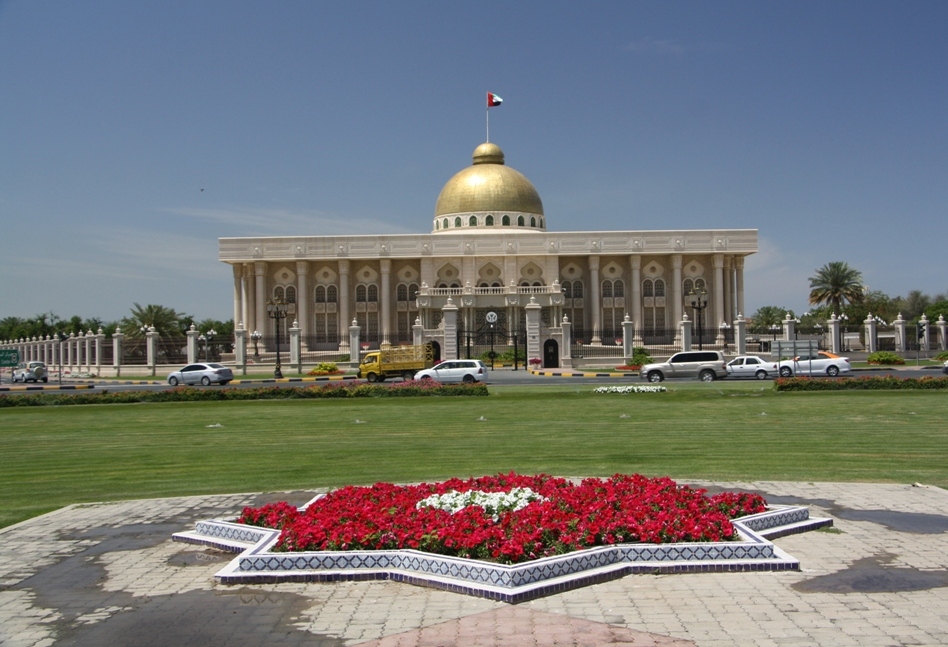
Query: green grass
x=53, y=456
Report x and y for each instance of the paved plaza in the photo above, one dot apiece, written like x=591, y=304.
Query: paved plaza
x=109, y=574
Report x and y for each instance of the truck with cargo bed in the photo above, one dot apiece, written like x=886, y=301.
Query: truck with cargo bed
x=401, y=361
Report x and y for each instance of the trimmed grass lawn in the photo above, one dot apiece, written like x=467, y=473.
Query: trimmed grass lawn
x=53, y=456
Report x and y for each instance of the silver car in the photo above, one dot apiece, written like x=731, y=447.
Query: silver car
x=205, y=374
x=706, y=365
x=468, y=371
x=31, y=372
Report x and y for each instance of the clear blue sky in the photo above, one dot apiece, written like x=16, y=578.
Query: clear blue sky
x=822, y=124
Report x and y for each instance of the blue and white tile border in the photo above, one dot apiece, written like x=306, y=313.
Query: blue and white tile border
x=256, y=563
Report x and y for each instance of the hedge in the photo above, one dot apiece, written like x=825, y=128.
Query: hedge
x=186, y=394
x=867, y=383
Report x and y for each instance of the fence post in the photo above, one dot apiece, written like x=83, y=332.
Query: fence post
x=923, y=343
x=900, y=345
x=566, y=356
x=192, y=334
x=117, y=338
x=685, y=327
x=789, y=328
x=942, y=331
x=354, y=349
x=99, y=338
x=871, y=344
x=295, y=356
x=417, y=332
x=628, y=345
x=740, y=334
x=833, y=325
x=450, y=321
x=151, y=342
x=240, y=348
x=533, y=329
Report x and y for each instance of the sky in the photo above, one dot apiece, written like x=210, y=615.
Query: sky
x=133, y=135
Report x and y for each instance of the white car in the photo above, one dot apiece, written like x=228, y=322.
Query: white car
x=201, y=374
x=468, y=371
x=31, y=372
x=751, y=366
x=816, y=365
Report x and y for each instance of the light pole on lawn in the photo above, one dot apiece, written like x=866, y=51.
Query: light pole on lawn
x=277, y=310
x=698, y=300
x=207, y=347
x=202, y=340
x=256, y=336
x=725, y=329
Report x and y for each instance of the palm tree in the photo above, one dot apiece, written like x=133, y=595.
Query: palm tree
x=836, y=283
x=165, y=320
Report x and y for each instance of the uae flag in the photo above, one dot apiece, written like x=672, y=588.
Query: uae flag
x=493, y=100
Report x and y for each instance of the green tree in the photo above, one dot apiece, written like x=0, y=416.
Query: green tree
x=166, y=321
x=836, y=283
x=767, y=316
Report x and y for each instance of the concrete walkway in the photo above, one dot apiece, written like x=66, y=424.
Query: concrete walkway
x=109, y=574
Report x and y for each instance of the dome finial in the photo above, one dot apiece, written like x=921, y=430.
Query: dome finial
x=488, y=153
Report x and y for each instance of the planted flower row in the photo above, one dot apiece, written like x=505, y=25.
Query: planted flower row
x=524, y=517
x=189, y=394
x=865, y=383
x=644, y=388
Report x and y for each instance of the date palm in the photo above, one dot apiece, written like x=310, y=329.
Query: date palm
x=836, y=283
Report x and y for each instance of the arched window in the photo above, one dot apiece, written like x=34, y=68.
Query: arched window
x=489, y=221
x=332, y=294
x=533, y=221
x=291, y=294
x=505, y=221
x=648, y=288
x=361, y=292
x=373, y=293
x=542, y=226
x=401, y=292
x=472, y=221
x=457, y=221
x=653, y=310
x=406, y=310
x=573, y=306
x=319, y=295
x=278, y=293
x=437, y=225
x=520, y=221
x=613, y=309
x=444, y=224
x=659, y=288
x=326, y=324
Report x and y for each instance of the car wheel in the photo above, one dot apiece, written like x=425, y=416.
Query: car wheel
x=761, y=375
x=426, y=378
x=468, y=379
x=706, y=376
x=371, y=377
x=832, y=371
x=206, y=381
x=655, y=376
x=173, y=381
x=408, y=375
x=786, y=371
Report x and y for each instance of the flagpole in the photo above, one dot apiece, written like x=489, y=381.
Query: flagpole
x=488, y=124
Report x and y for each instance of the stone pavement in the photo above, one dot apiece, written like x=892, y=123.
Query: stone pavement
x=109, y=574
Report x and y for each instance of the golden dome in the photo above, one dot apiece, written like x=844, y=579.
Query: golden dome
x=488, y=187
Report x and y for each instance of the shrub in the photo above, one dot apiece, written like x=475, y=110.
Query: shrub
x=884, y=357
x=942, y=356
x=640, y=357
x=867, y=383
x=325, y=368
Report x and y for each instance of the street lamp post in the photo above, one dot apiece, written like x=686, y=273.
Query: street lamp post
x=256, y=336
x=202, y=340
x=698, y=300
x=207, y=347
x=277, y=310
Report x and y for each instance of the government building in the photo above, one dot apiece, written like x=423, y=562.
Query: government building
x=490, y=265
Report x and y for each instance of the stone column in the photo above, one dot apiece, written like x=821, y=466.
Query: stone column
x=740, y=334
x=685, y=327
x=871, y=344
x=675, y=293
x=99, y=339
x=355, y=351
x=789, y=325
x=627, y=340
x=344, y=297
x=637, y=299
x=718, y=262
x=417, y=332
x=88, y=350
x=566, y=353
x=192, y=335
x=595, y=293
x=900, y=345
x=238, y=271
x=726, y=314
x=449, y=313
x=151, y=341
x=247, y=296
x=303, y=314
x=942, y=331
x=240, y=348
x=739, y=279
x=533, y=329
x=386, y=315
x=260, y=294
x=295, y=354
x=832, y=326
x=117, y=339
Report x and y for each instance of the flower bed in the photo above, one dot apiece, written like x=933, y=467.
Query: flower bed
x=645, y=388
x=865, y=383
x=518, y=519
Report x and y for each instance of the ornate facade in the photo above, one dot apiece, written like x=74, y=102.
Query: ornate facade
x=489, y=251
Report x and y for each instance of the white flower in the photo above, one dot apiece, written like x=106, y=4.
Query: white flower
x=493, y=503
x=631, y=389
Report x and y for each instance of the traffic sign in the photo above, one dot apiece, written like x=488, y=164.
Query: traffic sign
x=9, y=357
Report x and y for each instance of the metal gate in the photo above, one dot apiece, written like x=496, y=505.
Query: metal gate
x=493, y=343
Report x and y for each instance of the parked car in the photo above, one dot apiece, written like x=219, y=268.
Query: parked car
x=455, y=370
x=205, y=374
x=31, y=372
x=751, y=366
x=815, y=365
x=707, y=365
